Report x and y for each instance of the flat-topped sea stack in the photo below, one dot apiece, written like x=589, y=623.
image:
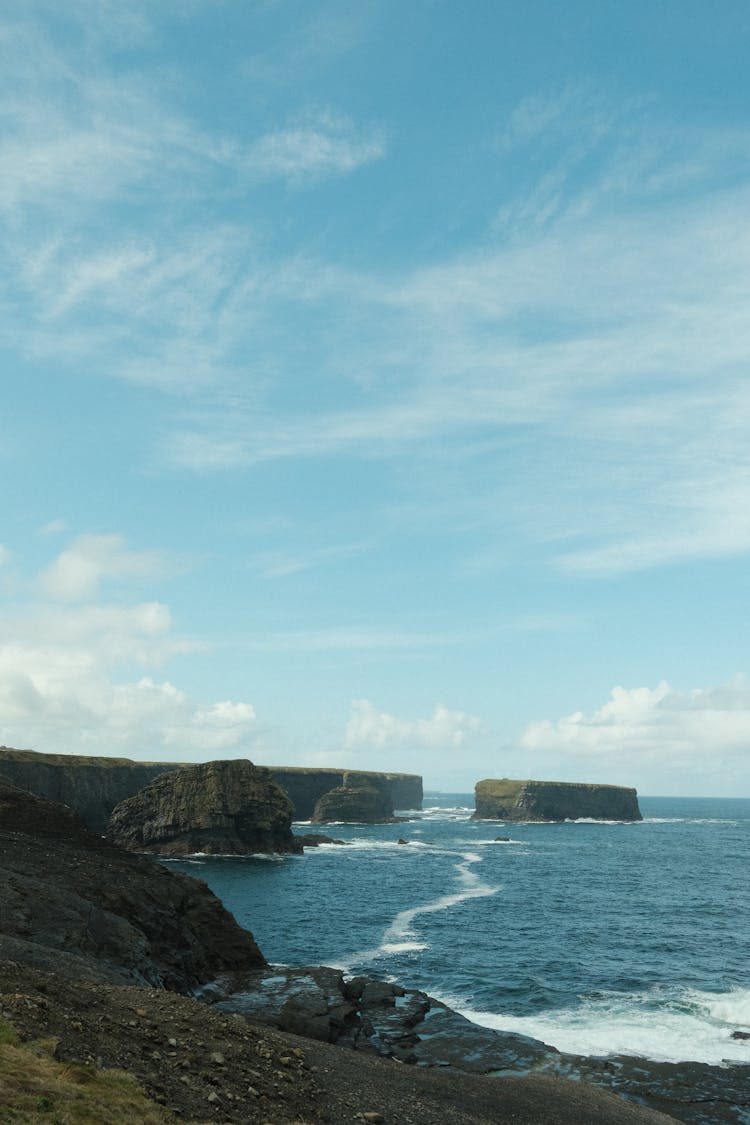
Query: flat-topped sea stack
x=508, y=799
x=220, y=808
x=362, y=799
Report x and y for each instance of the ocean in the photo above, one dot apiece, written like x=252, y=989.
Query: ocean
x=596, y=938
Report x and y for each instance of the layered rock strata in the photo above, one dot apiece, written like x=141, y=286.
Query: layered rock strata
x=220, y=808
x=508, y=799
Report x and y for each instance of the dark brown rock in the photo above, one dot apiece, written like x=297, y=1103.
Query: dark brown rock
x=219, y=808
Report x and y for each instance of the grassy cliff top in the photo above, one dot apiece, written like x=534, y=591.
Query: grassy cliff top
x=337, y=772
x=37, y=757
x=102, y=762
x=511, y=787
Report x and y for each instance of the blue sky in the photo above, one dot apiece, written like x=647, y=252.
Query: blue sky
x=375, y=386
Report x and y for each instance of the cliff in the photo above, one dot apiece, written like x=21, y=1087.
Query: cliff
x=75, y=905
x=363, y=798
x=93, y=786
x=305, y=787
x=221, y=808
x=507, y=799
x=90, y=786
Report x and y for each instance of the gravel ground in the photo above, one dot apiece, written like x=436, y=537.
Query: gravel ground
x=203, y=1065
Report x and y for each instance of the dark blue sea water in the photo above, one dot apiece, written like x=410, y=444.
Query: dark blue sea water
x=594, y=937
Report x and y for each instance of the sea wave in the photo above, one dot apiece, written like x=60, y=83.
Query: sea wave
x=666, y=1025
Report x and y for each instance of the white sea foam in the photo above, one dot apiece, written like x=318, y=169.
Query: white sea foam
x=667, y=1026
x=728, y=1007
x=401, y=928
x=400, y=936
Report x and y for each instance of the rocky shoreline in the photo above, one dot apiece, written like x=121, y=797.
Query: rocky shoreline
x=104, y=952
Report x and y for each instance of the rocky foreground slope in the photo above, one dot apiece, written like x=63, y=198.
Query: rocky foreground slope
x=82, y=920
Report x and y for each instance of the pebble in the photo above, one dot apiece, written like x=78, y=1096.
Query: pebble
x=373, y=1116
x=213, y=1096
x=217, y=1058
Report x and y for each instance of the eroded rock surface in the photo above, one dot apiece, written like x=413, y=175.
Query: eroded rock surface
x=219, y=808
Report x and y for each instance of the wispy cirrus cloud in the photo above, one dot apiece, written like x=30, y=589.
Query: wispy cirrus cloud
x=320, y=144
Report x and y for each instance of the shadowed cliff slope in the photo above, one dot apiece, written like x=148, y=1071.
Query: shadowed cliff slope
x=74, y=904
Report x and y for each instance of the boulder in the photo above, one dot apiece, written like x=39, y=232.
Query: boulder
x=362, y=799
x=219, y=808
x=508, y=799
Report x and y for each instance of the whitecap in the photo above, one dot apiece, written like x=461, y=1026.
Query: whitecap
x=661, y=1024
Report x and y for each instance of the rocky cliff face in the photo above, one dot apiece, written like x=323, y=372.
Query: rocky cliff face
x=362, y=799
x=507, y=799
x=93, y=786
x=90, y=786
x=222, y=808
x=75, y=905
x=305, y=787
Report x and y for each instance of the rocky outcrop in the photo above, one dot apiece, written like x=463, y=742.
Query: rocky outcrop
x=362, y=799
x=381, y=1017
x=90, y=786
x=220, y=808
x=507, y=799
x=305, y=787
x=74, y=904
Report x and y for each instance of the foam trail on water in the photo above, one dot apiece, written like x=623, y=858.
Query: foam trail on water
x=401, y=929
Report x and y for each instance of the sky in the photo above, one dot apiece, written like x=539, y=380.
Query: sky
x=376, y=386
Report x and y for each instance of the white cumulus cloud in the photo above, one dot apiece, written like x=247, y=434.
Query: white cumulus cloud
x=705, y=727
x=369, y=728
x=77, y=571
x=76, y=674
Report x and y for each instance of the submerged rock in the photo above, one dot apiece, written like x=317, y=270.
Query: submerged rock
x=220, y=808
x=508, y=799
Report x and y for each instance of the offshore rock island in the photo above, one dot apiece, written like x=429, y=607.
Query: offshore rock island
x=509, y=799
